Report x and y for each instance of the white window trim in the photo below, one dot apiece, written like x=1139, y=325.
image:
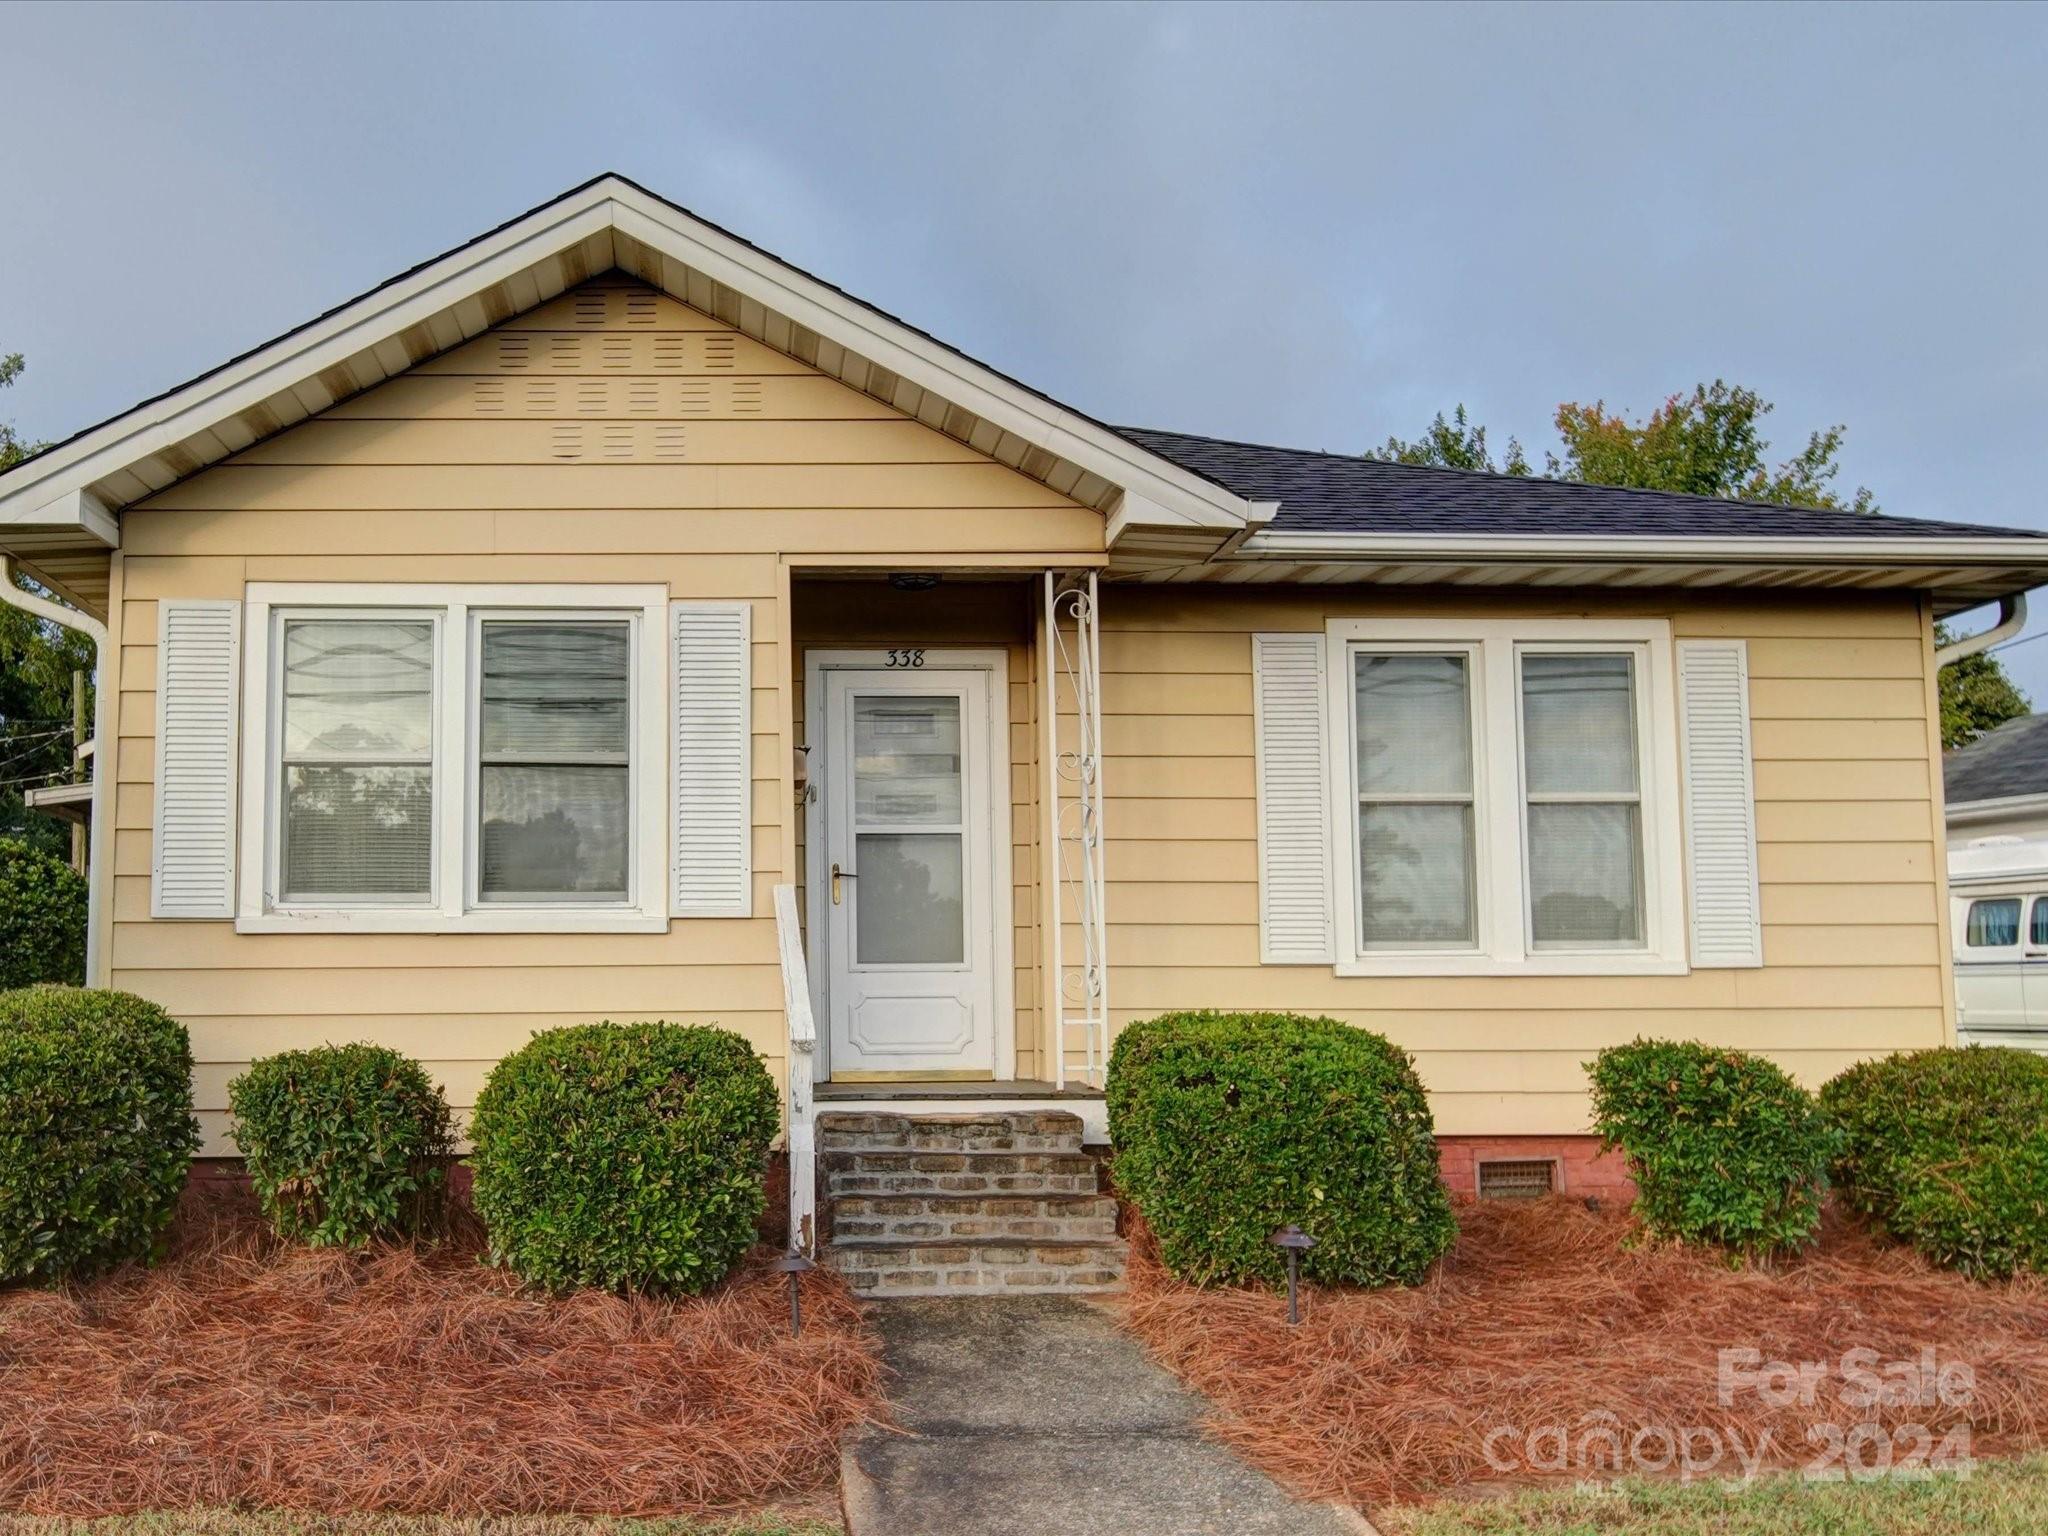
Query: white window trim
x=1504, y=948
x=450, y=911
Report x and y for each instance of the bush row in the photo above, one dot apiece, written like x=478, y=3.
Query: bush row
x=1945, y=1149
x=622, y=1156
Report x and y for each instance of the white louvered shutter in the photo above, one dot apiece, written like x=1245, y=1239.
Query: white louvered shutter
x=712, y=759
x=1720, y=803
x=192, y=849
x=1291, y=734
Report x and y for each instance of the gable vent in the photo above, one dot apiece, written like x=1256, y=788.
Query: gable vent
x=541, y=396
x=642, y=306
x=565, y=353
x=591, y=306
x=1516, y=1178
x=671, y=441
x=721, y=350
x=617, y=354
x=487, y=396
x=592, y=396
x=643, y=397
x=565, y=441
x=669, y=353
x=515, y=350
x=693, y=397
x=617, y=439
x=746, y=397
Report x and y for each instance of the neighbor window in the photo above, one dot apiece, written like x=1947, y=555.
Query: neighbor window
x=458, y=757
x=1511, y=795
x=1993, y=924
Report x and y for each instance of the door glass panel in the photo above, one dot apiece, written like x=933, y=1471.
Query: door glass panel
x=2037, y=934
x=908, y=908
x=906, y=762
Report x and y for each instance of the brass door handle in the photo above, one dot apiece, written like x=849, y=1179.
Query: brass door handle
x=838, y=875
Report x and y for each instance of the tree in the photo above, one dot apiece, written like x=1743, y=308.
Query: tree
x=36, y=663
x=1711, y=443
x=1453, y=444
x=1976, y=696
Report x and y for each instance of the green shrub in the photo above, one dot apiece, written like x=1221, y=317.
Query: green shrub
x=628, y=1156
x=1230, y=1125
x=42, y=918
x=1948, y=1150
x=346, y=1144
x=1725, y=1148
x=96, y=1129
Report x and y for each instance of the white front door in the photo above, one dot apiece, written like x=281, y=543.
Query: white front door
x=907, y=870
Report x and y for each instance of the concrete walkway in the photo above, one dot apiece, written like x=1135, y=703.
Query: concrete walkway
x=1033, y=1414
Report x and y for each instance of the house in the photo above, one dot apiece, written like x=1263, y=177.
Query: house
x=1997, y=808
x=608, y=619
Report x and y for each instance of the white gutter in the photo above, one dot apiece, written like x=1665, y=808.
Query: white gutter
x=1970, y=812
x=98, y=862
x=2012, y=618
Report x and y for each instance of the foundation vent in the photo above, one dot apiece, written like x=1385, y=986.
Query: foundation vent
x=1520, y=1178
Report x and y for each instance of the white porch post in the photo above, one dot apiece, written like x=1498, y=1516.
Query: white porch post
x=1073, y=789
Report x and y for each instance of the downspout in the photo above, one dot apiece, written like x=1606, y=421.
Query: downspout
x=102, y=835
x=2012, y=618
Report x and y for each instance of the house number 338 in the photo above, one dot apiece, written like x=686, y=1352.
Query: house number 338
x=906, y=658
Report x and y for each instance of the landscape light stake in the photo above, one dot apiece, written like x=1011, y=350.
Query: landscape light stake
x=794, y=1264
x=1293, y=1242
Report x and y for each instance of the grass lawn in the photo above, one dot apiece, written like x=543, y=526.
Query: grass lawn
x=201, y=1522
x=1996, y=1499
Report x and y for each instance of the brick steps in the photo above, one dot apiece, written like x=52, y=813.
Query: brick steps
x=987, y=1203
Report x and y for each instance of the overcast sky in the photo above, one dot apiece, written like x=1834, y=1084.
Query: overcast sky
x=1311, y=226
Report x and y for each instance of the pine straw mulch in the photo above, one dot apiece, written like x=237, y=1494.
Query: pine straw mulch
x=246, y=1373
x=1546, y=1314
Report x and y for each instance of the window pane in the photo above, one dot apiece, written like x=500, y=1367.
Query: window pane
x=556, y=690
x=358, y=831
x=2039, y=932
x=553, y=831
x=1585, y=875
x=908, y=906
x=1993, y=924
x=906, y=759
x=1417, y=885
x=1579, y=723
x=1414, y=724
x=358, y=688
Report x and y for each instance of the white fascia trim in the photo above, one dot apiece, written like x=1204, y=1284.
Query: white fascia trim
x=1966, y=812
x=302, y=355
x=614, y=204
x=1437, y=547
x=926, y=363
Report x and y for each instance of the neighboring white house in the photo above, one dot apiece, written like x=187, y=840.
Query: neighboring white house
x=1997, y=797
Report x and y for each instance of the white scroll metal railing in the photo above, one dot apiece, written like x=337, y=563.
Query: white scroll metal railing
x=1073, y=791
x=803, y=1044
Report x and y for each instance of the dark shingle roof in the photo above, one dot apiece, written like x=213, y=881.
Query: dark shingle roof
x=1339, y=493
x=2012, y=760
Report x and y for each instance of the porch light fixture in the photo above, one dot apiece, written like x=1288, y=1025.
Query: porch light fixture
x=794, y=1264
x=913, y=581
x=1293, y=1242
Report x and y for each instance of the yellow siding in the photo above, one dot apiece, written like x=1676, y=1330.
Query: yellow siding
x=1849, y=852
x=615, y=436
x=621, y=440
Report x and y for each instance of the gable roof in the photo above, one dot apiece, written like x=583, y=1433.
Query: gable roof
x=1180, y=507
x=2010, y=762
x=73, y=490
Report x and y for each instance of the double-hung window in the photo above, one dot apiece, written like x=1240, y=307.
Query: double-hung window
x=1508, y=791
x=440, y=759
